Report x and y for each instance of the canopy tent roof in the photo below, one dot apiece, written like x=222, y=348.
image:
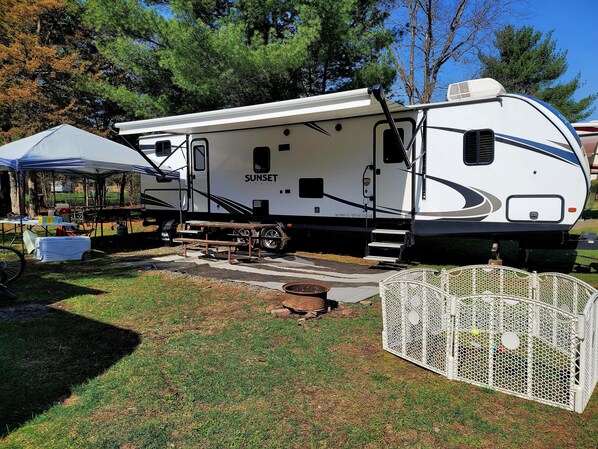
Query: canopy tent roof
x=352, y=103
x=67, y=149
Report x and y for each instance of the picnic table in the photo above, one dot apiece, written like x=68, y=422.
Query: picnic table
x=29, y=224
x=248, y=233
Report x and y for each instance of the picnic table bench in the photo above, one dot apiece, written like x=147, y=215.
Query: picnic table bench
x=207, y=243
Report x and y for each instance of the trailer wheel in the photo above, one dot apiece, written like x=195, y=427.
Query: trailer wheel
x=167, y=231
x=242, y=235
x=272, y=239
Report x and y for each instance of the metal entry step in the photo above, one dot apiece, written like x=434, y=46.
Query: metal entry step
x=387, y=245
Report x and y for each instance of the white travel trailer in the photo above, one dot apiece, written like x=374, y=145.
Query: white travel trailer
x=483, y=163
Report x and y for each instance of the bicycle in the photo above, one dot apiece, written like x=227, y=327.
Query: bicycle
x=12, y=265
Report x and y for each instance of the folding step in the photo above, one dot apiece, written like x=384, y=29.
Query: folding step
x=390, y=231
x=189, y=231
x=386, y=245
x=385, y=259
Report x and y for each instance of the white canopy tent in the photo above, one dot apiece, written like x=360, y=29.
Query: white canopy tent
x=70, y=150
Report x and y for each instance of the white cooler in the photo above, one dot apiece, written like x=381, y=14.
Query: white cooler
x=48, y=249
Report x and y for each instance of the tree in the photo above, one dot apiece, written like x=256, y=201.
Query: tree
x=431, y=33
x=191, y=55
x=47, y=60
x=529, y=63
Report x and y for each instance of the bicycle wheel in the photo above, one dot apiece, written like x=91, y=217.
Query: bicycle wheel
x=12, y=263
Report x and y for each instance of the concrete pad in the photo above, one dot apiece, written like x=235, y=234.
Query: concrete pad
x=349, y=282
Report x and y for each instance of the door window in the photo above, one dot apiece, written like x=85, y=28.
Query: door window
x=199, y=156
x=391, y=152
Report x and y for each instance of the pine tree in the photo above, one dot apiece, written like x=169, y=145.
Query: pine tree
x=529, y=63
x=192, y=55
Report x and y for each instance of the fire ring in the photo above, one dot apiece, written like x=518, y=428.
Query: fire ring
x=306, y=296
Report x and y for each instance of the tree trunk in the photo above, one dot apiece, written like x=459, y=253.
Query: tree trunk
x=123, y=185
x=14, y=193
x=34, y=193
x=5, y=201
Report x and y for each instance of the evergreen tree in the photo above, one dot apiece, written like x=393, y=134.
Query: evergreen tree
x=192, y=55
x=529, y=63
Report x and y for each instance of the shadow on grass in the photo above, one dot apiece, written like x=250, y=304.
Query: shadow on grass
x=45, y=352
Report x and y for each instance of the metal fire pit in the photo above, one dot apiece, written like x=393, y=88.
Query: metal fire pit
x=305, y=296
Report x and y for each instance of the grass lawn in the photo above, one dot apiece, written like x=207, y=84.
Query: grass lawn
x=122, y=358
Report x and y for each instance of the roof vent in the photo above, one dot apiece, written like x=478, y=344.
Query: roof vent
x=472, y=89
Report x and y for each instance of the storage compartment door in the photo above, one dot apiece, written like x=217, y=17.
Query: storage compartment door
x=540, y=208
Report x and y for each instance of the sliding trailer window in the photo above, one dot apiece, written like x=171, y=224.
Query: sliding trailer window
x=261, y=160
x=478, y=147
x=311, y=188
x=163, y=148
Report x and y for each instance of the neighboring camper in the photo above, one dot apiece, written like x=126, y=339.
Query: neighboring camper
x=484, y=163
x=588, y=134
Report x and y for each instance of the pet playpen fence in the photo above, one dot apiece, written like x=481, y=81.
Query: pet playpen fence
x=527, y=334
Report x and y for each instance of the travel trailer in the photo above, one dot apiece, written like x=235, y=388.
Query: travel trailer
x=482, y=163
x=588, y=134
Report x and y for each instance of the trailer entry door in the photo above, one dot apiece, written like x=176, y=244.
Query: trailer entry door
x=392, y=188
x=200, y=190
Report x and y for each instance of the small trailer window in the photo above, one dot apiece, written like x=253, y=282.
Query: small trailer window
x=391, y=152
x=261, y=160
x=478, y=147
x=311, y=188
x=163, y=148
x=199, y=157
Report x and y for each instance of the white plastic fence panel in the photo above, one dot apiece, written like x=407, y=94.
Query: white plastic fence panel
x=415, y=326
x=527, y=334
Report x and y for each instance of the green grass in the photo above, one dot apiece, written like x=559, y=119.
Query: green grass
x=139, y=359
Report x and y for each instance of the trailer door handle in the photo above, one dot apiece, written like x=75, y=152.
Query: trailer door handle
x=377, y=171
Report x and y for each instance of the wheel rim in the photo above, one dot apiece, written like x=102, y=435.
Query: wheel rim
x=12, y=263
x=272, y=238
x=243, y=235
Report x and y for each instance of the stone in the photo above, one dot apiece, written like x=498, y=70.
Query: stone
x=281, y=313
x=272, y=307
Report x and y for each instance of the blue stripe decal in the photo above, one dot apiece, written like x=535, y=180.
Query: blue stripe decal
x=553, y=151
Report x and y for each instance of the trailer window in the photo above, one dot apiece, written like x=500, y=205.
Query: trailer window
x=311, y=188
x=261, y=160
x=478, y=147
x=163, y=148
x=199, y=157
x=391, y=151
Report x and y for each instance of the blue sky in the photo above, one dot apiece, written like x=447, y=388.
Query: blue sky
x=575, y=25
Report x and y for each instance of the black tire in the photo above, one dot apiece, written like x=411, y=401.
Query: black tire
x=272, y=238
x=12, y=263
x=242, y=235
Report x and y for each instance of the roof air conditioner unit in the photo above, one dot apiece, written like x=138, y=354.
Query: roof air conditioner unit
x=473, y=89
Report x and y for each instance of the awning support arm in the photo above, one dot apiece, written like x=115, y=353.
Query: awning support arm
x=378, y=91
x=144, y=156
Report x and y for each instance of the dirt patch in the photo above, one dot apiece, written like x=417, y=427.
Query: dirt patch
x=25, y=312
